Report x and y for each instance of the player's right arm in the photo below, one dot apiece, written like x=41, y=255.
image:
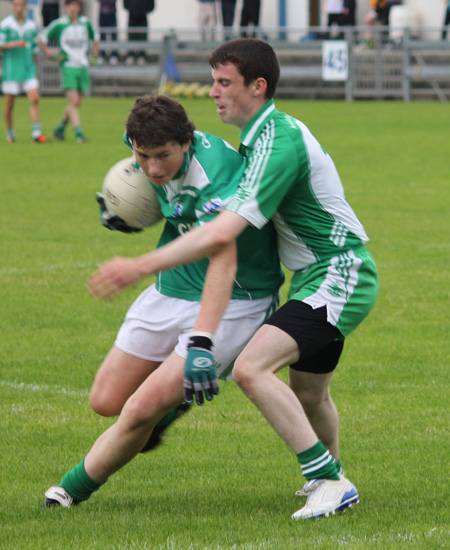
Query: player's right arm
x=13, y=44
x=202, y=241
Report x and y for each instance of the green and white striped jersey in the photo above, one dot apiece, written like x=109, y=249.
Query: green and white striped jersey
x=73, y=39
x=18, y=63
x=291, y=180
x=209, y=176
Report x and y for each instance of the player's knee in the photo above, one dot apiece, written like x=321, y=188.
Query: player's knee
x=243, y=373
x=136, y=414
x=103, y=404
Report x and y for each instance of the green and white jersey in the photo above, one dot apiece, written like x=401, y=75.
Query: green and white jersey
x=209, y=176
x=18, y=63
x=291, y=180
x=73, y=39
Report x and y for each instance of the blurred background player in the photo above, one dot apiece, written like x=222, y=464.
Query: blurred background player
x=74, y=33
x=19, y=47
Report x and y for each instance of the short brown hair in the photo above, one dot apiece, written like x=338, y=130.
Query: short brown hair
x=156, y=120
x=253, y=58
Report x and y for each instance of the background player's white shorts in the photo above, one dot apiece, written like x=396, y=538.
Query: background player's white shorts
x=155, y=325
x=15, y=88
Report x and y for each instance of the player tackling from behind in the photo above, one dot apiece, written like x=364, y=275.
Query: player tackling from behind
x=18, y=45
x=291, y=180
x=141, y=379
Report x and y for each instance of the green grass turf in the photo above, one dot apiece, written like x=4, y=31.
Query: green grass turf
x=223, y=480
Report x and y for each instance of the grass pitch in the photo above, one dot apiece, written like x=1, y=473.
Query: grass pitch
x=223, y=480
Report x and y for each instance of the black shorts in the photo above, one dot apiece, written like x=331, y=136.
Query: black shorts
x=320, y=343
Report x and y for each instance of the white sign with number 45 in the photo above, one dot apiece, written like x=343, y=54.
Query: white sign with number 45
x=335, y=60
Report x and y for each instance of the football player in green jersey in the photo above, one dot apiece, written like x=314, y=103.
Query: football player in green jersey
x=73, y=33
x=291, y=180
x=19, y=48
x=141, y=379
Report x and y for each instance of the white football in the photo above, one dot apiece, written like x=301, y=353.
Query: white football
x=128, y=194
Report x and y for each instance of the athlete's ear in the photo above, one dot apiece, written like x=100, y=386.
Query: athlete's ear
x=259, y=87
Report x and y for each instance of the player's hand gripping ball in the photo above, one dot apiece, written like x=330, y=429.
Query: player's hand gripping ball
x=127, y=194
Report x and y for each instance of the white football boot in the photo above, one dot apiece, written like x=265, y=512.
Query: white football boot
x=327, y=496
x=57, y=496
x=308, y=486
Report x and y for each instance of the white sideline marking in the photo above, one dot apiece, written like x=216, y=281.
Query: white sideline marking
x=43, y=388
x=15, y=270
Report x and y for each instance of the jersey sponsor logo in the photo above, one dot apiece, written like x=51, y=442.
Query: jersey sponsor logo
x=205, y=142
x=184, y=227
x=75, y=44
x=213, y=205
x=178, y=210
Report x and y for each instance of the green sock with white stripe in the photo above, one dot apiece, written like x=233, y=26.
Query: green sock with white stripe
x=317, y=463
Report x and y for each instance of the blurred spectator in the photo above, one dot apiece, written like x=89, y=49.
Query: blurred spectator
x=250, y=16
x=207, y=19
x=379, y=11
x=228, y=11
x=49, y=11
x=446, y=22
x=107, y=18
x=350, y=13
x=334, y=10
x=137, y=17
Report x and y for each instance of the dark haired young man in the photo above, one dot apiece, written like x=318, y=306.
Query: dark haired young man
x=292, y=181
x=141, y=379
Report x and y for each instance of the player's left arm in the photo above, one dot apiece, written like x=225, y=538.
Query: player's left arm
x=95, y=47
x=200, y=371
x=95, y=38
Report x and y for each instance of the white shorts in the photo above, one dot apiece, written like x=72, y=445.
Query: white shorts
x=15, y=88
x=155, y=325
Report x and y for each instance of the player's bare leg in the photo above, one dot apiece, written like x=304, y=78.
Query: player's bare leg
x=313, y=392
x=268, y=351
x=119, y=376
x=36, y=133
x=33, y=98
x=255, y=371
x=71, y=113
x=8, y=114
x=161, y=392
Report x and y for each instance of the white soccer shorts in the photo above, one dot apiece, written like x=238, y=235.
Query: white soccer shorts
x=16, y=88
x=155, y=325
